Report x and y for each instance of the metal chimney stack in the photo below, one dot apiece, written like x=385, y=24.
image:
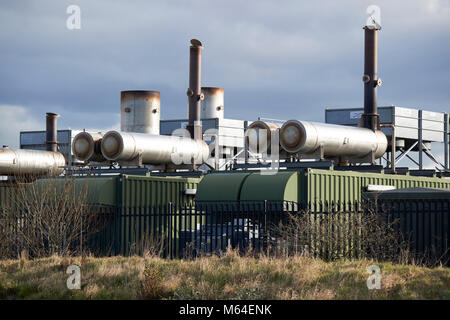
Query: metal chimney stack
x=194, y=92
x=51, y=132
x=370, y=118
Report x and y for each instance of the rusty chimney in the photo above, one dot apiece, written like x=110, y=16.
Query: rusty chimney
x=51, y=132
x=370, y=118
x=194, y=91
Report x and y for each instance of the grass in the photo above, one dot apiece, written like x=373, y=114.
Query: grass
x=228, y=277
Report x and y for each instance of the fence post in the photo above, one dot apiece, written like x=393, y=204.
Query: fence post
x=169, y=236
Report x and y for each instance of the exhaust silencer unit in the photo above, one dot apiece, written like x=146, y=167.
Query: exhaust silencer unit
x=330, y=140
x=33, y=163
x=194, y=93
x=86, y=146
x=153, y=149
x=252, y=138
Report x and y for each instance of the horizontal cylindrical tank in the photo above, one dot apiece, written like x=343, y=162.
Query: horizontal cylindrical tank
x=86, y=146
x=352, y=142
x=153, y=149
x=140, y=111
x=253, y=133
x=21, y=162
x=212, y=105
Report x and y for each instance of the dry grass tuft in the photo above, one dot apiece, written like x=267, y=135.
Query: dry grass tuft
x=227, y=277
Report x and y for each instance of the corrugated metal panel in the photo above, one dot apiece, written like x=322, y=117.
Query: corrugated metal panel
x=314, y=186
x=100, y=190
x=139, y=191
x=406, y=121
x=347, y=186
x=126, y=191
x=140, y=195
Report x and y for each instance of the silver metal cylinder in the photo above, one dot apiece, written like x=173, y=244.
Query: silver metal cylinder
x=153, y=149
x=336, y=141
x=252, y=136
x=21, y=162
x=86, y=146
x=140, y=111
x=212, y=105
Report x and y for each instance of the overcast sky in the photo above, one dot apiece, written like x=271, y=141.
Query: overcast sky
x=275, y=59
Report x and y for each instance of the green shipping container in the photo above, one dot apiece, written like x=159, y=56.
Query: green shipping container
x=125, y=196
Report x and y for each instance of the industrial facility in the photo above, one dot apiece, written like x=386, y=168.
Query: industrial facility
x=204, y=157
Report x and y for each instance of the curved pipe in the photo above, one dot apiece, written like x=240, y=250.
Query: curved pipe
x=153, y=149
x=307, y=137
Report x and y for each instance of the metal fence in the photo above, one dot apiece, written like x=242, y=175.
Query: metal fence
x=323, y=229
x=423, y=224
x=377, y=229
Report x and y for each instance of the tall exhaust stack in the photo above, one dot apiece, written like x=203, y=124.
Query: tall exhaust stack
x=51, y=132
x=370, y=118
x=195, y=90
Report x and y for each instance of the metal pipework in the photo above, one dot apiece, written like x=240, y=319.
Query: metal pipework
x=194, y=91
x=370, y=118
x=393, y=145
x=51, y=132
x=152, y=149
x=140, y=111
x=253, y=132
x=213, y=103
x=21, y=162
x=86, y=146
x=305, y=137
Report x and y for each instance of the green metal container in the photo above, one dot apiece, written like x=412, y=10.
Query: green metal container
x=221, y=186
x=281, y=186
x=136, y=196
x=126, y=198
x=143, y=192
x=347, y=186
x=308, y=185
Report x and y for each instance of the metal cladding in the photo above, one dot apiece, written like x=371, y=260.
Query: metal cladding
x=21, y=162
x=140, y=111
x=86, y=146
x=153, y=149
x=51, y=132
x=194, y=91
x=252, y=137
x=335, y=141
x=212, y=103
x=370, y=118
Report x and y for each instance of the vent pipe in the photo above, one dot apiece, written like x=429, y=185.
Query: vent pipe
x=194, y=91
x=52, y=132
x=370, y=118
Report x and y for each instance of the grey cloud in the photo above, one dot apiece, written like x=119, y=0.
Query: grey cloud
x=275, y=59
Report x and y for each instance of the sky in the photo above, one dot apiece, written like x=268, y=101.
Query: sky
x=274, y=59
